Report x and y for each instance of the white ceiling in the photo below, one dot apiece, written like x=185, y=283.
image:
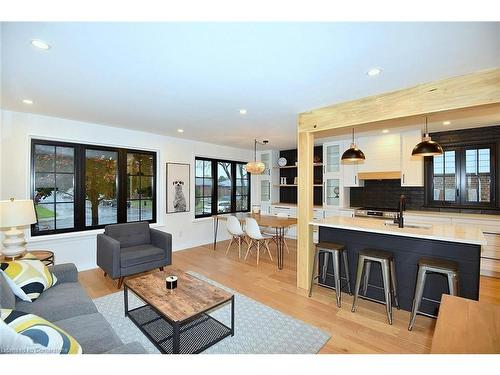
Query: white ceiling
x=159, y=77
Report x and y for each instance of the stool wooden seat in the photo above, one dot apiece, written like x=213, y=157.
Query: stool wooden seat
x=444, y=264
x=377, y=254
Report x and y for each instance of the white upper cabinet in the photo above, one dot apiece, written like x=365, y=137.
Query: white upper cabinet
x=332, y=152
x=268, y=180
x=382, y=152
x=412, y=167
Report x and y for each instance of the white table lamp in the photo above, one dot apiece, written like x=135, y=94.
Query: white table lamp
x=15, y=213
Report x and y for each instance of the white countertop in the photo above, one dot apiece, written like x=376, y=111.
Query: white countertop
x=452, y=233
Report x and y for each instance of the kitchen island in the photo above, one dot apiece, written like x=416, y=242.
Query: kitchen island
x=461, y=244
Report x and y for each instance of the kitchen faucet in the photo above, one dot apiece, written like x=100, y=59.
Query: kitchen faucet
x=402, y=207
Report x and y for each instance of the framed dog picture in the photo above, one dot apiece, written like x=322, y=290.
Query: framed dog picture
x=178, y=185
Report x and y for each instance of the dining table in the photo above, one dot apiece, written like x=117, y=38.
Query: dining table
x=279, y=224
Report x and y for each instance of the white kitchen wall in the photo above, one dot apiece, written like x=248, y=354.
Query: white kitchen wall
x=16, y=131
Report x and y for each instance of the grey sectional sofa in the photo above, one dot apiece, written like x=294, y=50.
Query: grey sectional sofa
x=67, y=305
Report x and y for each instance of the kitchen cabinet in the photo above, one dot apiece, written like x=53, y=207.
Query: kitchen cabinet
x=350, y=171
x=268, y=192
x=332, y=151
x=412, y=167
x=382, y=152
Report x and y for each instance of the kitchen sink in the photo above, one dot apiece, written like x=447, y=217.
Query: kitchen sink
x=409, y=225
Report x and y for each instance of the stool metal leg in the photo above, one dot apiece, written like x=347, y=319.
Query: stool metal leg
x=394, y=282
x=453, y=283
x=366, y=279
x=346, y=267
x=359, y=274
x=417, y=298
x=315, y=264
x=336, y=271
x=387, y=288
x=325, y=266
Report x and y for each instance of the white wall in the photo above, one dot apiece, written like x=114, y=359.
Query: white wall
x=80, y=248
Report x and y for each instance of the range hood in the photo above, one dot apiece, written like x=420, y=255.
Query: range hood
x=386, y=175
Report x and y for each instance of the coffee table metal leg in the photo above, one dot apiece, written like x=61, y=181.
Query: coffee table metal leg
x=232, y=315
x=176, y=338
x=125, y=299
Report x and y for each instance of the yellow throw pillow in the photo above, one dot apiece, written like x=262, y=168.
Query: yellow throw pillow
x=45, y=336
x=28, y=277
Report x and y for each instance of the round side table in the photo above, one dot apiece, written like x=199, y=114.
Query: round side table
x=45, y=256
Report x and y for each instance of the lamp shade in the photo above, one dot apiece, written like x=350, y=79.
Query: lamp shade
x=427, y=148
x=255, y=167
x=15, y=213
x=353, y=154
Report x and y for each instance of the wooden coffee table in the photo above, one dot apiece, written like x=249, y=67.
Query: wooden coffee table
x=177, y=321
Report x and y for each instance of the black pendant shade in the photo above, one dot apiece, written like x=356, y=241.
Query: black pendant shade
x=353, y=153
x=427, y=147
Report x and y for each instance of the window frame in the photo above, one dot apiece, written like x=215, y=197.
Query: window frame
x=214, y=178
x=79, y=184
x=460, y=178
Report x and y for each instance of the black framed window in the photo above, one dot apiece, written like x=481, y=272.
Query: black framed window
x=463, y=177
x=242, y=188
x=79, y=187
x=140, y=186
x=221, y=186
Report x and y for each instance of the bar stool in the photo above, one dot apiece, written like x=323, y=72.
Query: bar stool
x=335, y=250
x=426, y=265
x=386, y=260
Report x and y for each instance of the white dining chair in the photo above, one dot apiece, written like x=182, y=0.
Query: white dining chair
x=234, y=228
x=272, y=232
x=256, y=238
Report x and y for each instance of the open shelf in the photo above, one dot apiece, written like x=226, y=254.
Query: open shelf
x=293, y=185
x=295, y=166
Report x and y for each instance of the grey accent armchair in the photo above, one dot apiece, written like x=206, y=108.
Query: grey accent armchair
x=131, y=248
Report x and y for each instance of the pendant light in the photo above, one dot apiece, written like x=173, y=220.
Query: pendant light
x=353, y=154
x=255, y=167
x=427, y=147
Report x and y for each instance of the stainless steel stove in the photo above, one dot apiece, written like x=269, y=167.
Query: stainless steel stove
x=376, y=212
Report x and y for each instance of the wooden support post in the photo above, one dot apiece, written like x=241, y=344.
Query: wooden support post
x=305, y=208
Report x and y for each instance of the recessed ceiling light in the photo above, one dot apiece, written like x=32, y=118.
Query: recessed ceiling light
x=385, y=131
x=374, y=72
x=243, y=111
x=27, y=101
x=446, y=122
x=40, y=44
x=180, y=130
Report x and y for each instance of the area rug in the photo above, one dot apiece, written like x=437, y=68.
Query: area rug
x=259, y=329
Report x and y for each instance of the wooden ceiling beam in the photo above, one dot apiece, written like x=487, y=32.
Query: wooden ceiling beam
x=475, y=89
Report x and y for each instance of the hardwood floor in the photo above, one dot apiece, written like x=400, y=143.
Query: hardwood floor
x=365, y=331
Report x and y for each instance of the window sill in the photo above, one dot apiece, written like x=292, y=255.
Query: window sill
x=73, y=235
x=202, y=219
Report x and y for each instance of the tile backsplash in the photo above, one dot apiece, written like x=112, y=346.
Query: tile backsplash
x=385, y=194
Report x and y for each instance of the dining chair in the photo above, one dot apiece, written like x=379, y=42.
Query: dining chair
x=272, y=232
x=256, y=238
x=234, y=228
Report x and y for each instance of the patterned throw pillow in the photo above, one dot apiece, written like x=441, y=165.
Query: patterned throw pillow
x=28, y=277
x=53, y=339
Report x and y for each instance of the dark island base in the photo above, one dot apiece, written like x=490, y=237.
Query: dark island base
x=407, y=251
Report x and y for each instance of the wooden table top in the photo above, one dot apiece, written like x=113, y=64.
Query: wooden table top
x=264, y=220
x=465, y=326
x=191, y=297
